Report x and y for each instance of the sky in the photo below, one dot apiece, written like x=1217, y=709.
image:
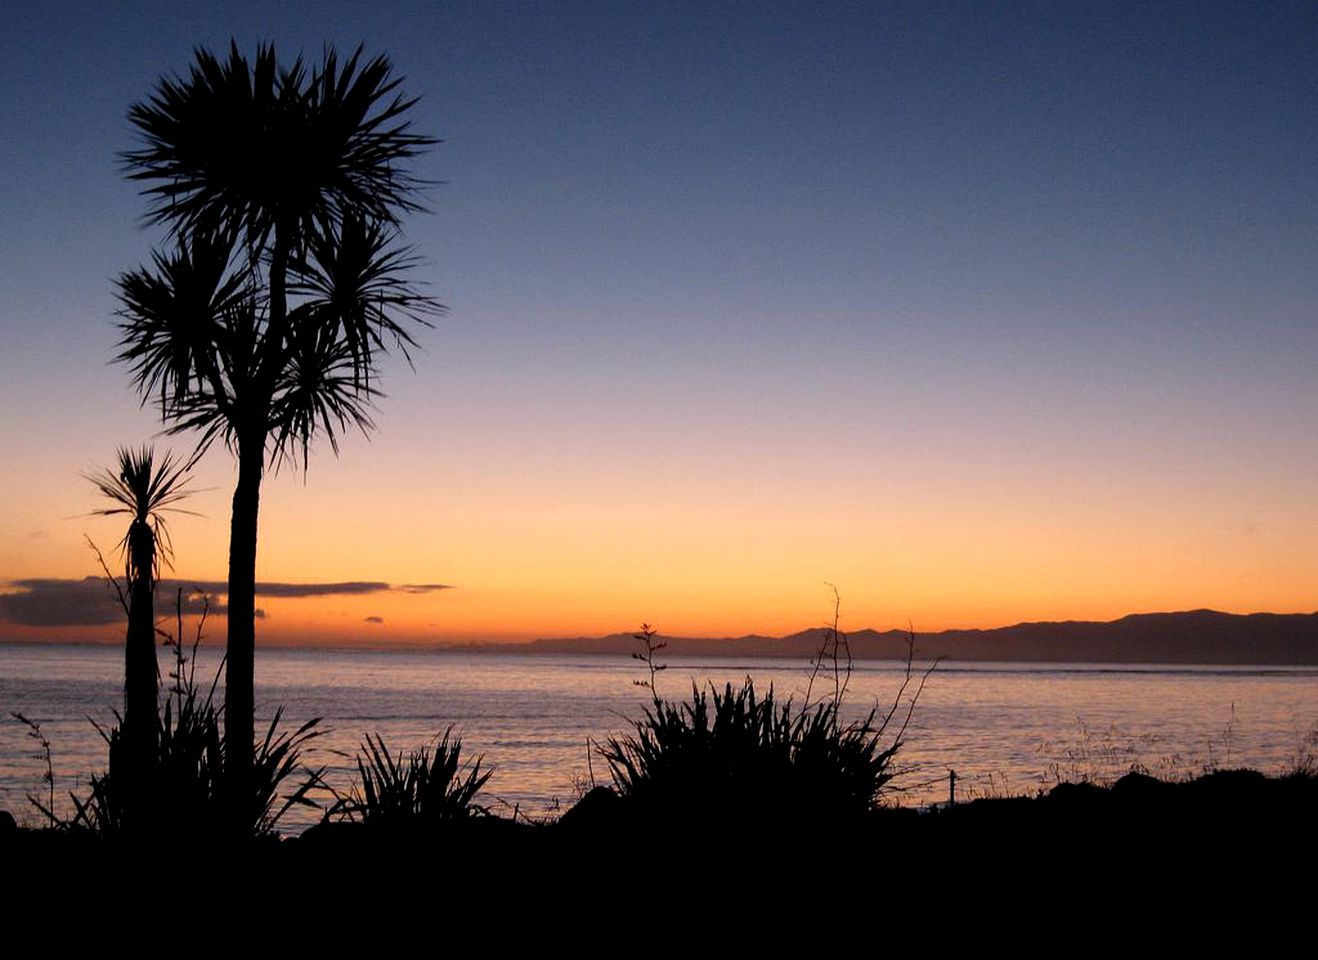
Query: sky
x=980, y=313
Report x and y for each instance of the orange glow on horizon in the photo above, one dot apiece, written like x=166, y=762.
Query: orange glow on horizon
x=710, y=546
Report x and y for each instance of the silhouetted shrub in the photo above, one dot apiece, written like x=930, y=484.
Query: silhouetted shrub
x=420, y=787
x=748, y=756
x=186, y=789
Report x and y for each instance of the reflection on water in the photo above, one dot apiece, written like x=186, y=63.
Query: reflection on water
x=1005, y=728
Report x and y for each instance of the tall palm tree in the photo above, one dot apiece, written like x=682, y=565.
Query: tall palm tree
x=281, y=188
x=143, y=489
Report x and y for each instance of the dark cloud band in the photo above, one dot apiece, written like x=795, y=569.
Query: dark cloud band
x=48, y=602
x=270, y=589
x=61, y=603
x=51, y=602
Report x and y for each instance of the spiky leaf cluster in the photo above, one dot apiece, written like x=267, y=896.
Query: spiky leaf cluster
x=744, y=756
x=145, y=490
x=284, y=280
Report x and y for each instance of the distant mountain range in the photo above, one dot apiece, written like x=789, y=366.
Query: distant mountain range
x=1196, y=636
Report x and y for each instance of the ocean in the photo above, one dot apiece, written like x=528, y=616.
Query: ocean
x=1005, y=728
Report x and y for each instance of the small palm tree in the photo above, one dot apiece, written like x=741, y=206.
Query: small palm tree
x=143, y=489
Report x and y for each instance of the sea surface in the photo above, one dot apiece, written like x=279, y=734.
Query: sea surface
x=535, y=720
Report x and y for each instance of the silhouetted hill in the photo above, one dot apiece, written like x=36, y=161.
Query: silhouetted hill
x=1196, y=636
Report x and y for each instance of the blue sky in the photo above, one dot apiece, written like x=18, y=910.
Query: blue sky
x=970, y=262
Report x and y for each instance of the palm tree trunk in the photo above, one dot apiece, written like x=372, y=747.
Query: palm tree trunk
x=140, y=670
x=239, y=699
x=140, y=680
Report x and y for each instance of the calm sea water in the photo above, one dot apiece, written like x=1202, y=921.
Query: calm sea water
x=1004, y=728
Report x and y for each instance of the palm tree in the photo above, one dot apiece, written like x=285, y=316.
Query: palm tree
x=144, y=490
x=281, y=188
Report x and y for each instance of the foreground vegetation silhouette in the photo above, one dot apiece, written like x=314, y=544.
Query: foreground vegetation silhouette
x=725, y=779
x=181, y=789
x=427, y=787
x=751, y=757
x=261, y=323
x=756, y=759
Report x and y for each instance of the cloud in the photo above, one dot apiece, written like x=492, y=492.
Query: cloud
x=52, y=602
x=293, y=591
x=318, y=589
x=287, y=590
x=92, y=602
x=58, y=603
x=373, y=620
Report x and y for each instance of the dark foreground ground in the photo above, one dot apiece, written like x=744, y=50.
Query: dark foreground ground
x=1213, y=844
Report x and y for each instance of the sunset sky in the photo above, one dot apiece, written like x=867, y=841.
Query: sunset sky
x=983, y=314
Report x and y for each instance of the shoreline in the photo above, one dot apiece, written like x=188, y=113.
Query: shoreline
x=1222, y=805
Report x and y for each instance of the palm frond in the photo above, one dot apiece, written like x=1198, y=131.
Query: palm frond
x=355, y=275
x=239, y=152
x=319, y=391
x=355, y=304
x=244, y=145
x=145, y=490
x=181, y=326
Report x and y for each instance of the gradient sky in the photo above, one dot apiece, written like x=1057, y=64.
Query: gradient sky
x=981, y=314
